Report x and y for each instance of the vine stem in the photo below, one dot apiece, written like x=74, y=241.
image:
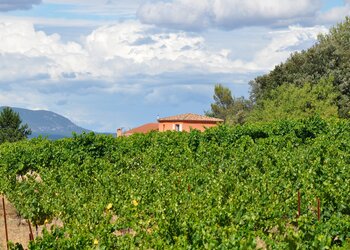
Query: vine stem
x=31, y=236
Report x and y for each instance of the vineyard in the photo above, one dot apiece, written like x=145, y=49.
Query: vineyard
x=227, y=188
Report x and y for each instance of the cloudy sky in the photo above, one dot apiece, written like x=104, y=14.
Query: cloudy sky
x=121, y=63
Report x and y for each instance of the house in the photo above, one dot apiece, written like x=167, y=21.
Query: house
x=186, y=122
x=183, y=122
x=146, y=128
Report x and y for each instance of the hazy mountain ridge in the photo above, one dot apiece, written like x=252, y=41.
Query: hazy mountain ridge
x=48, y=123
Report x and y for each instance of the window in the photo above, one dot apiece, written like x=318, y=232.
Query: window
x=178, y=127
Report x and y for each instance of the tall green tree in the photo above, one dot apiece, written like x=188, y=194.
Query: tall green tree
x=11, y=128
x=290, y=101
x=232, y=110
x=328, y=57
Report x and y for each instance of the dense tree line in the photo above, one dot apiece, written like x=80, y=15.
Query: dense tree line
x=289, y=101
x=313, y=81
x=329, y=57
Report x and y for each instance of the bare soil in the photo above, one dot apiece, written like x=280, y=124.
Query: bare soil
x=18, y=228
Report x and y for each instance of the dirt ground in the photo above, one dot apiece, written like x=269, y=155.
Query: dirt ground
x=18, y=228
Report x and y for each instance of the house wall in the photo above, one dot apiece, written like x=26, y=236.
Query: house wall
x=186, y=126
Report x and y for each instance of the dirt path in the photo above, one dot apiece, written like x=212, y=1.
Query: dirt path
x=18, y=230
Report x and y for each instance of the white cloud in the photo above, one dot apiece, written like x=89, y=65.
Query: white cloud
x=285, y=42
x=140, y=49
x=228, y=14
x=335, y=14
x=29, y=52
x=112, y=53
x=181, y=13
x=108, y=53
x=22, y=98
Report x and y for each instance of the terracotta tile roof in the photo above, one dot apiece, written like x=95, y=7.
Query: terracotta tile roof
x=190, y=117
x=143, y=129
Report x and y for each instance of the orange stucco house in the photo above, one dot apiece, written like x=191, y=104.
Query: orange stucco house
x=183, y=122
x=186, y=122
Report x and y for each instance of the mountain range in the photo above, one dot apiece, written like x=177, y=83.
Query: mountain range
x=47, y=123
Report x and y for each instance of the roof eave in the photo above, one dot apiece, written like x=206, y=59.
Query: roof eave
x=197, y=121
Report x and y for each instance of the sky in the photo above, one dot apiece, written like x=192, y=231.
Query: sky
x=121, y=63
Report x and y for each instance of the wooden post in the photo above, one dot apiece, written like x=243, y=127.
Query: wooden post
x=31, y=236
x=5, y=220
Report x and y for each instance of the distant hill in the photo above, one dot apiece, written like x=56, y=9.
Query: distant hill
x=47, y=123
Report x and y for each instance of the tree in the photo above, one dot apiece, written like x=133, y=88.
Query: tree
x=223, y=102
x=230, y=109
x=328, y=57
x=289, y=101
x=11, y=129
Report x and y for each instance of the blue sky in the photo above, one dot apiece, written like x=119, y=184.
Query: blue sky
x=116, y=63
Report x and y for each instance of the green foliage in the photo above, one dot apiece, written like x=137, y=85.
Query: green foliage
x=328, y=57
x=232, y=110
x=11, y=129
x=223, y=102
x=225, y=188
x=290, y=101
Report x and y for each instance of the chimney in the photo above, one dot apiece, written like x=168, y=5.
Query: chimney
x=119, y=132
